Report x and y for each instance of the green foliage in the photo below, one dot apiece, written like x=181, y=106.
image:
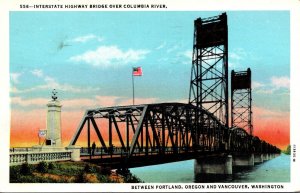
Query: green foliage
x=35, y=179
x=104, y=178
x=287, y=150
x=87, y=168
x=51, y=166
x=105, y=170
x=79, y=172
x=90, y=169
x=80, y=178
x=23, y=174
x=102, y=174
x=26, y=169
x=130, y=178
x=66, y=169
x=14, y=173
x=42, y=167
x=83, y=178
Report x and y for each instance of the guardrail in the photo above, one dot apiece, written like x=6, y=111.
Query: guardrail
x=21, y=149
x=17, y=158
x=118, y=151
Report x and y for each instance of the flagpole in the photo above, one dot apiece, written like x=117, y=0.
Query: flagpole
x=132, y=87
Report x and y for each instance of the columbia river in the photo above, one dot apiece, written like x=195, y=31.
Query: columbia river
x=274, y=170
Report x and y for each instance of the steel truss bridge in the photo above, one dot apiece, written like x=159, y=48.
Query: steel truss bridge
x=138, y=135
x=164, y=132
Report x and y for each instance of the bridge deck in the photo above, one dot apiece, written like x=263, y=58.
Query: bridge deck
x=119, y=159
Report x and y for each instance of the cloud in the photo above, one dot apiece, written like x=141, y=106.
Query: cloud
x=15, y=77
x=183, y=57
x=172, y=49
x=103, y=101
x=188, y=54
x=107, y=56
x=236, y=56
x=272, y=126
x=138, y=101
x=51, y=83
x=37, y=72
x=281, y=82
x=180, y=57
x=107, y=100
x=256, y=85
x=41, y=102
x=95, y=102
x=161, y=46
x=82, y=103
x=276, y=83
x=233, y=64
x=86, y=38
x=14, y=89
x=263, y=113
x=29, y=102
x=75, y=89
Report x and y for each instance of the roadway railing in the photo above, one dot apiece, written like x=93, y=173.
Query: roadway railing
x=20, y=149
x=121, y=152
x=17, y=158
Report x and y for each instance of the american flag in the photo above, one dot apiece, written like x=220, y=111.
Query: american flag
x=137, y=71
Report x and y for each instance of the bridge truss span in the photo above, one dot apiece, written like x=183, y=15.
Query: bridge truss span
x=161, y=129
x=241, y=142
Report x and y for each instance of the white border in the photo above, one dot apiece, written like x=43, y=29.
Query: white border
x=173, y=5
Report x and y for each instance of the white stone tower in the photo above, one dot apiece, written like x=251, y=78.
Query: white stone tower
x=54, y=122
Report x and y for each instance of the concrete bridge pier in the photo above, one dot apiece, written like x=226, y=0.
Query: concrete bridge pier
x=272, y=155
x=243, y=160
x=75, y=155
x=213, y=165
x=258, y=158
x=266, y=156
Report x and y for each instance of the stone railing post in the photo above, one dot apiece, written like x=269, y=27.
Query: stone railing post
x=28, y=158
x=75, y=155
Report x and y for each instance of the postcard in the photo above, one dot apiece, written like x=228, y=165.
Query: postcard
x=152, y=96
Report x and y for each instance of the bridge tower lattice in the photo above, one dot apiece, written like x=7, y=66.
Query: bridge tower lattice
x=241, y=100
x=209, y=74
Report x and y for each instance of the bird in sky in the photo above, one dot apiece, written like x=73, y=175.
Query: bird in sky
x=61, y=45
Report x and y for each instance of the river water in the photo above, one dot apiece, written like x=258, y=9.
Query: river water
x=274, y=170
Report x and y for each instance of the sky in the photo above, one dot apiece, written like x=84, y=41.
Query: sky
x=88, y=58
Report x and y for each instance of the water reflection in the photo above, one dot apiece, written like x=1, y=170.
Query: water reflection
x=275, y=170
x=211, y=178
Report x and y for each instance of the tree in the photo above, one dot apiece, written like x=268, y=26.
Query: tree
x=287, y=150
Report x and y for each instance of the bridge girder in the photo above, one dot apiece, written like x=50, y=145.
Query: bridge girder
x=165, y=128
x=154, y=127
x=240, y=141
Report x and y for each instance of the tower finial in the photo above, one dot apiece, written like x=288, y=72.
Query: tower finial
x=54, y=92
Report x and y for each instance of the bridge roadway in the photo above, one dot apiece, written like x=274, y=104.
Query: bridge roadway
x=119, y=158
x=207, y=162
